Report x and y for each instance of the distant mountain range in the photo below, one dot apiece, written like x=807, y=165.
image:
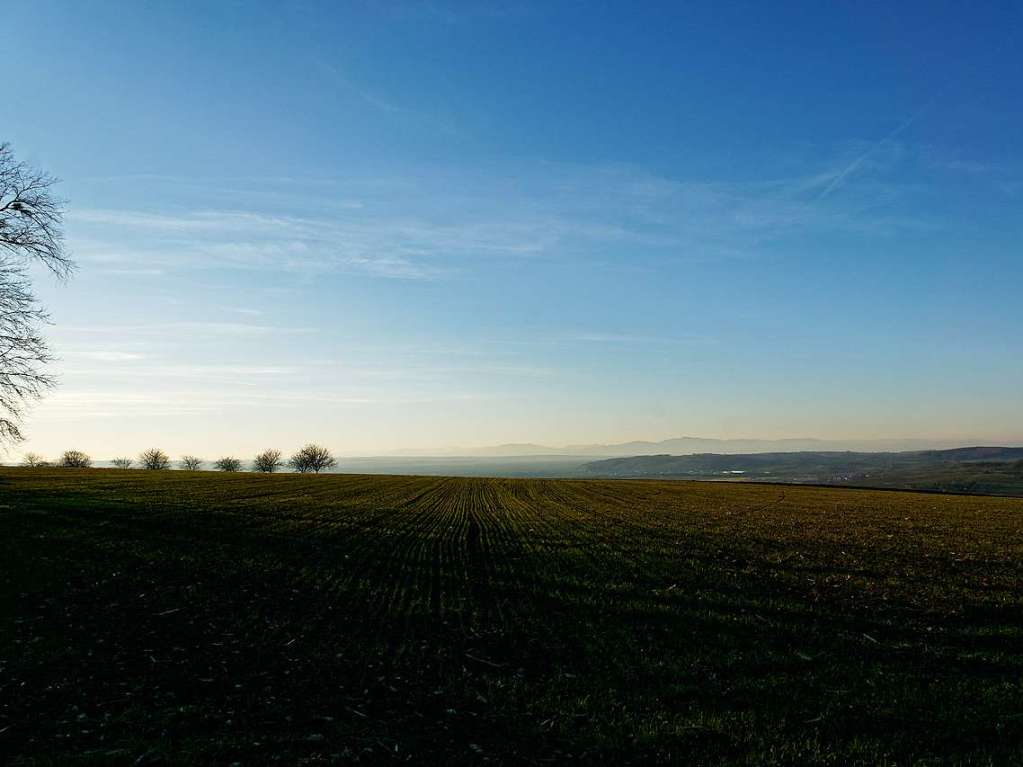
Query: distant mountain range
x=686, y=446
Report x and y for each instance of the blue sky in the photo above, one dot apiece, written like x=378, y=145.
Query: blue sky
x=414, y=225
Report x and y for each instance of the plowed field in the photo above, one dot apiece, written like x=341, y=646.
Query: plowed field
x=199, y=618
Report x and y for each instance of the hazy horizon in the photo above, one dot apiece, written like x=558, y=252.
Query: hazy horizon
x=513, y=450
x=425, y=226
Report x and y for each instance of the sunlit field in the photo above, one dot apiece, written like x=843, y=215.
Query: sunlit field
x=187, y=618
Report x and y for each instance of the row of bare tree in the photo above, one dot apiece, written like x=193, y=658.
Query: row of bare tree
x=310, y=459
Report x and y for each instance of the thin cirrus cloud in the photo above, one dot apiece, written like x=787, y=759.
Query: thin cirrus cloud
x=436, y=224
x=437, y=372
x=336, y=81
x=176, y=329
x=106, y=356
x=369, y=375
x=630, y=339
x=120, y=404
x=235, y=373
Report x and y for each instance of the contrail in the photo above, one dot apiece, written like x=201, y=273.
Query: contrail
x=851, y=167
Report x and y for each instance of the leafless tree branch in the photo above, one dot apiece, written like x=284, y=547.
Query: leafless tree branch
x=268, y=461
x=191, y=463
x=31, y=217
x=31, y=230
x=312, y=458
x=154, y=459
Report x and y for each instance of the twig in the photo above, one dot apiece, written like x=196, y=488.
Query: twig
x=484, y=661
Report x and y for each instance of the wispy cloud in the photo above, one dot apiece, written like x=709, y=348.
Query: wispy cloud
x=177, y=402
x=183, y=329
x=337, y=80
x=857, y=162
x=631, y=339
x=106, y=356
x=434, y=224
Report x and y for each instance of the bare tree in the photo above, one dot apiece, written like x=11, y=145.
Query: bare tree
x=33, y=460
x=75, y=459
x=32, y=218
x=122, y=463
x=31, y=230
x=154, y=459
x=312, y=458
x=268, y=461
x=191, y=463
x=228, y=464
x=23, y=352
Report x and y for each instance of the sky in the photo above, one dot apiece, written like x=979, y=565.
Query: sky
x=417, y=225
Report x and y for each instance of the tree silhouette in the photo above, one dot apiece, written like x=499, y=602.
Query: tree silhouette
x=154, y=459
x=33, y=460
x=31, y=231
x=268, y=461
x=75, y=459
x=312, y=458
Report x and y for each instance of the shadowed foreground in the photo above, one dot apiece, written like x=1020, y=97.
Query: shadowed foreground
x=180, y=618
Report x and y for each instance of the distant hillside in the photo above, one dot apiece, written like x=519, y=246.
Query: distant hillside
x=682, y=446
x=968, y=469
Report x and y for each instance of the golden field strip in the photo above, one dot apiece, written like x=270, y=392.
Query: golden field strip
x=200, y=618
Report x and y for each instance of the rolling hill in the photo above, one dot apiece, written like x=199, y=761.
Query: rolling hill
x=994, y=470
